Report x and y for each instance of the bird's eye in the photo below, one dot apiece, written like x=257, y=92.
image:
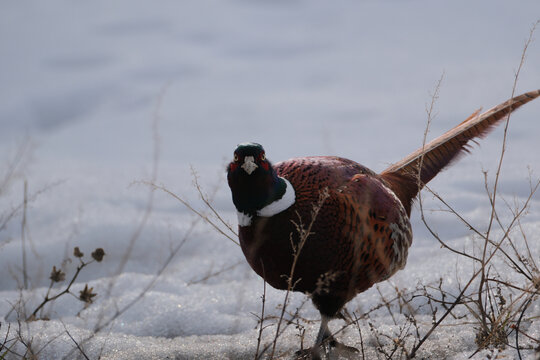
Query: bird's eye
x=235, y=158
x=263, y=157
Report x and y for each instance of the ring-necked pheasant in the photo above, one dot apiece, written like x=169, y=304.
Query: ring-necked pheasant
x=361, y=234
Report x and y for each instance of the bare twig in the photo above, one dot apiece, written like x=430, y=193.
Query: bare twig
x=4, y=348
x=304, y=234
x=5, y=218
x=216, y=273
x=100, y=325
x=420, y=184
x=261, y=328
x=74, y=341
x=492, y=312
x=48, y=299
x=493, y=196
x=208, y=204
x=186, y=204
x=23, y=236
x=22, y=153
x=357, y=322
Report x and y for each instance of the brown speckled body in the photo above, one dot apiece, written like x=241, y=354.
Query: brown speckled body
x=362, y=232
x=359, y=237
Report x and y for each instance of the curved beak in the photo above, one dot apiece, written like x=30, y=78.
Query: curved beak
x=249, y=165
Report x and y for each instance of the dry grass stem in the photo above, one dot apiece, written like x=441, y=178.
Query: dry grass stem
x=495, y=314
x=304, y=233
x=192, y=209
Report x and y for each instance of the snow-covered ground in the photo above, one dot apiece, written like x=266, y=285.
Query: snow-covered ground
x=85, y=84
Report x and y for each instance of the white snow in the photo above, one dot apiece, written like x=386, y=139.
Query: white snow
x=84, y=83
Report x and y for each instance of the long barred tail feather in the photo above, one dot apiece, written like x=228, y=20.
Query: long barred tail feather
x=402, y=176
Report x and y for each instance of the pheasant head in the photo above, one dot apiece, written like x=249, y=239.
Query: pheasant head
x=255, y=184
